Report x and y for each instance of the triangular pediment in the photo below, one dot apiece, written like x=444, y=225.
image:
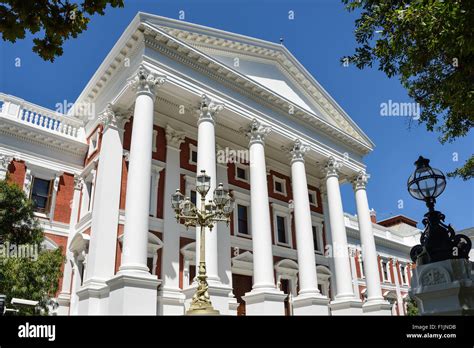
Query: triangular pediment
x=267, y=64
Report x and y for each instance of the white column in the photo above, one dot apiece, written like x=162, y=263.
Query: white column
x=64, y=298
x=206, y=152
x=134, y=287
x=105, y=214
x=345, y=301
x=264, y=299
x=309, y=300
x=4, y=163
x=375, y=301
x=171, y=298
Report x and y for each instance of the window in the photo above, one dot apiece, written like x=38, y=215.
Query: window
x=279, y=185
x=193, y=155
x=41, y=194
x=193, y=197
x=241, y=173
x=93, y=142
x=155, y=137
x=403, y=274
x=312, y=198
x=385, y=271
x=315, y=238
x=149, y=263
x=281, y=230
x=89, y=194
x=242, y=216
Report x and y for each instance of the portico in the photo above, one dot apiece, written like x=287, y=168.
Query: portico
x=175, y=102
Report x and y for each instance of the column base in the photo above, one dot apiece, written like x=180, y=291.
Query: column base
x=351, y=306
x=171, y=301
x=93, y=297
x=222, y=298
x=133, y=294
x=64, y=302
x=310, y=304
x=377, y=307
x=265, y=302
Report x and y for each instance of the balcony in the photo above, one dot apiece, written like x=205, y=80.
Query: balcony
x=33, y=116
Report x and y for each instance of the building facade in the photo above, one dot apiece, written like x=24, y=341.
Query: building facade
x=172, y=99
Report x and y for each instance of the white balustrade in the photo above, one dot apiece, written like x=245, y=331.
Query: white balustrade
x=38, y=117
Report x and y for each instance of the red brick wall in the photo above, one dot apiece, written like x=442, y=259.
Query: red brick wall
x=17, y=172
x=160, y=153
x=123, y=185
x=118, y=249
x=62, y=211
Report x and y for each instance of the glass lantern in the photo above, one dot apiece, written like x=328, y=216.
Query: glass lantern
x=426, y=183
x=176, y=199
x=220, y=196
x=203, y=183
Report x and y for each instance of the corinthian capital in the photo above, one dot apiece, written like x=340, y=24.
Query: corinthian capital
x=360, y=180
x=332, y=167
x=78, y=181
x=5, y=161
x=256, y=132
x=209, y=109
x=146, y=82
x=298, y=151
x=111, y=118
x=174, y=138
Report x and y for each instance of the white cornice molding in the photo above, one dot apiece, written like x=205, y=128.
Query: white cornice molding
x=38, y=136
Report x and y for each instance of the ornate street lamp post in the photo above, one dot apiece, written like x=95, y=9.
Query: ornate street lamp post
x=438, y=241
x=218, y=209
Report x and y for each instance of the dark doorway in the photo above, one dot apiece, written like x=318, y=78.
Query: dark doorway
x=241, y=285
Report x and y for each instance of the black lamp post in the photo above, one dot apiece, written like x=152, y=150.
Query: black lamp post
x=438, y=241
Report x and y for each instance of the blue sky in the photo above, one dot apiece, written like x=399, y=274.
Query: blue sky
x=320, y=33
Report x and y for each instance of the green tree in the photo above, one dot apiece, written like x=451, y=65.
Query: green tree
x=36, y=276
x=429, y=45
x=56, y=20
x=412, y=308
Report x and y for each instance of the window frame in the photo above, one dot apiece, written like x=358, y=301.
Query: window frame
x=192, y=148
x=245, y=168
x=313, y=194
x=282, y=211
x=283, y=185
x=241, y=198
x=93, y=142
x=49, y=195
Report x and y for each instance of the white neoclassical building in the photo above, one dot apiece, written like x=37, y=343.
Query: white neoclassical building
x=169, y=100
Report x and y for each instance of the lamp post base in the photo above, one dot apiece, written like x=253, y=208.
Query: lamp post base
x=202, y=311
